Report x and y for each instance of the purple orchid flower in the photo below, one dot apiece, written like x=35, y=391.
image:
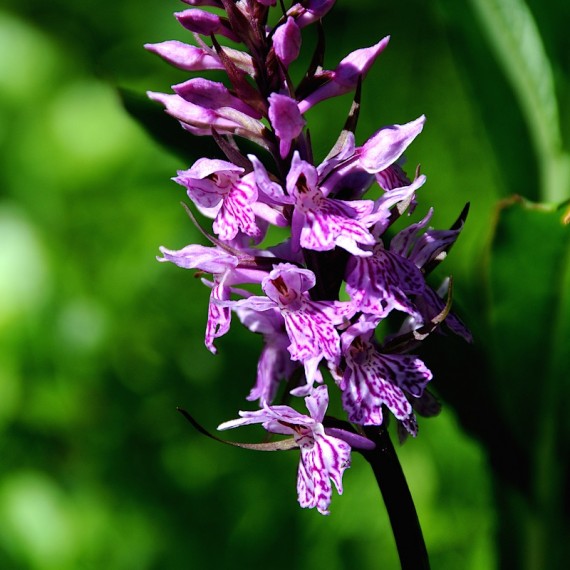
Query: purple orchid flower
x=218, y=190
x=372, y=379
x=383, y=282
x=310, y=325
x=324, y=458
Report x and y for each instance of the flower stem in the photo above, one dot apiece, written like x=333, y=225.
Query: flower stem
x=398, y=500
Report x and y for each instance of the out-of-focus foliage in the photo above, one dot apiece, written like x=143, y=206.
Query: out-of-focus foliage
x=99, y=343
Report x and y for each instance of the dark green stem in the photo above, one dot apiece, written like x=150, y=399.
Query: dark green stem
x=398, y=500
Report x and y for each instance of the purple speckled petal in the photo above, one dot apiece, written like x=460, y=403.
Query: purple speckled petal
x=373, y=380
x=383, y=282
x=323, y=457
x=219, y=317
x=268, y=187
x=324, y=460
x=317, y=403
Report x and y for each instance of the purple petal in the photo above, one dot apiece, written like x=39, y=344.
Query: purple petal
x=310, y=11
x=205, y=23
x=219, y=317
x=212, y=95
x=383, y=282
x=186, y=57
x=317, y=403
x=388, y=144
x=270, y=188
x=209, y=259
x=287, y=42
x=286, y=119
x=346, y=76
x=326, y=460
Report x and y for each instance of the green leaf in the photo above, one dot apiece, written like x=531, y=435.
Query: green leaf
x=516, y=41
x=529, y=311
x=529, y=353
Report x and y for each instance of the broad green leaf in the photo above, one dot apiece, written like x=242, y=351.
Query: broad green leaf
x=529, y=311
x=529, y=346
x=516, y=41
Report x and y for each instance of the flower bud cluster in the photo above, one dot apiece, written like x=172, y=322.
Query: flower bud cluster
x=324, y=290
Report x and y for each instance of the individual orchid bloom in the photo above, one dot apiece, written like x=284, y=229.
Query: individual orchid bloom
x=310, y=325
x=372, y=379
x=320, y=223
x=286, y=120
x=346, y=76
x=422, y=249
x=205, y=23
x=382, y=282
x=287, y=42
x=275, y=362
x=324, y=458
x=216, y=186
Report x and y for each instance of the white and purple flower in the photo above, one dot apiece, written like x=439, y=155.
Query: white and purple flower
x=324, y=458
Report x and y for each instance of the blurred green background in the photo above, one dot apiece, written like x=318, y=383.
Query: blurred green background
x=99, y=343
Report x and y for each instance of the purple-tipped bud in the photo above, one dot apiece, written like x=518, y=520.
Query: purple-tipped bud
x=287, y=42
x=345, y=77
x=184, y=56
x=309, y=11
x=205, y=23
x=212, y=95
x=286, y=119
